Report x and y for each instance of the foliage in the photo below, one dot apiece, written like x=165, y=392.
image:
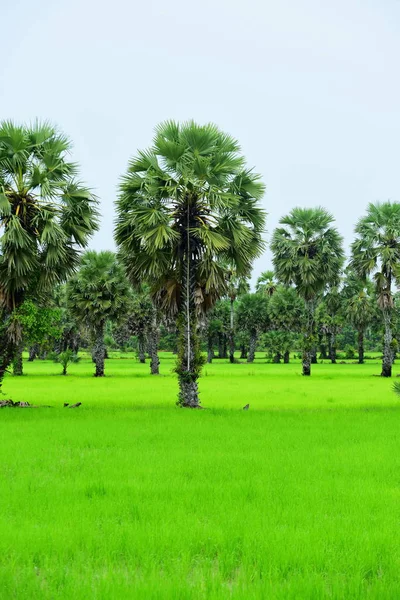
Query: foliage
x=45, y=213
x=376, y=252
x=65, y=358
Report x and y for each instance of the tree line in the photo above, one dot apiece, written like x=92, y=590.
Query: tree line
x=189, y=225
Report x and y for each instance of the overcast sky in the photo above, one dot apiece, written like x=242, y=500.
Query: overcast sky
x=310, y=88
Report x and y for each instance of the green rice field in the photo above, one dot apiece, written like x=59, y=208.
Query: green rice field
x=129, y=496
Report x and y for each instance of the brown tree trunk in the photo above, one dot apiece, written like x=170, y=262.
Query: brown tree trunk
x=360, y=346
x=387, y=349
x=98, y=353
x=153, y=342
x=252, y=346
x=141, y=348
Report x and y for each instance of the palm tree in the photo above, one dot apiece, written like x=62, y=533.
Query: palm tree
x=97, y=293
x=187, y=206
x=307, y=253
x=252, y=314
x=359, y=307
x=140, y=315
x=376, y=251
x=286, y=312
x=236, y=286
x=266, y=283
x=329, y=316
x=46, y=216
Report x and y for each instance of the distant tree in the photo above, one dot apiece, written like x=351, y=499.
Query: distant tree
x=187, y=206
x=213, y=330
x=376, y=252
x=252, y=314
x=236, y=286
x=286, y=312
x=330, y=318
x=139, y=318
x=266, y=283
x=46, y=217
x=36, y=324
x=98, y=292
x=307, y=253
x=359, y=307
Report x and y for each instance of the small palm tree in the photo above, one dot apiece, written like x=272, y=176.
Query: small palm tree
x=46, y=217
x=97, y=293
x=65, y=358
x=266, y=283
x=307, y=253
x=187, y=206
x=376, y=251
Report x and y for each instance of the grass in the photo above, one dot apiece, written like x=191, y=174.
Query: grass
x=131, y=497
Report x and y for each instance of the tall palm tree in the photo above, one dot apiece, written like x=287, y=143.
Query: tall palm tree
x=376, y=251
x=46, y=218
x=99, y=292
x=187, y=206
x=307, y=253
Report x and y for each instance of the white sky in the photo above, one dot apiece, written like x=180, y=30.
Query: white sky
x=310, y=88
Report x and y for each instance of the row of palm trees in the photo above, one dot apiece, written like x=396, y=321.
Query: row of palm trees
x=189, y=225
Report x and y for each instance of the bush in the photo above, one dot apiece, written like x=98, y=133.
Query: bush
x=350, y=351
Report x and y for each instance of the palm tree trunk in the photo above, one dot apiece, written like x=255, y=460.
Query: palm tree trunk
x=18, y=367
x=190, y=360
x=7, y=347
x=221, y=345
x=360, y=346
x=252, y=346
x=232, y=336
x=322, y=347
x=308, y=338
x=33, y=350
x=286, y=357
x=210, y=348
x=333, y=347
x=277, y=358
x=224, y=346
x=387, y=340
x=153, y=343
x=314, y=360
x=98, y=353
x=329, y=346
x=141, y=348
x=243, y=351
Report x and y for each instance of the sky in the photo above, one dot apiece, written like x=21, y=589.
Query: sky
x=310, y=89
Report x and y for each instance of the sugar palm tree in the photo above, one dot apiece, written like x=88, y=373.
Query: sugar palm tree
x=99, y=292
x=187, y=206
x=253, y=316
x=376, y=252
x=286, y=312
x=307, y=253
x=236, y=286
x=46, y=218
x=359, y=308
x=266, y=283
